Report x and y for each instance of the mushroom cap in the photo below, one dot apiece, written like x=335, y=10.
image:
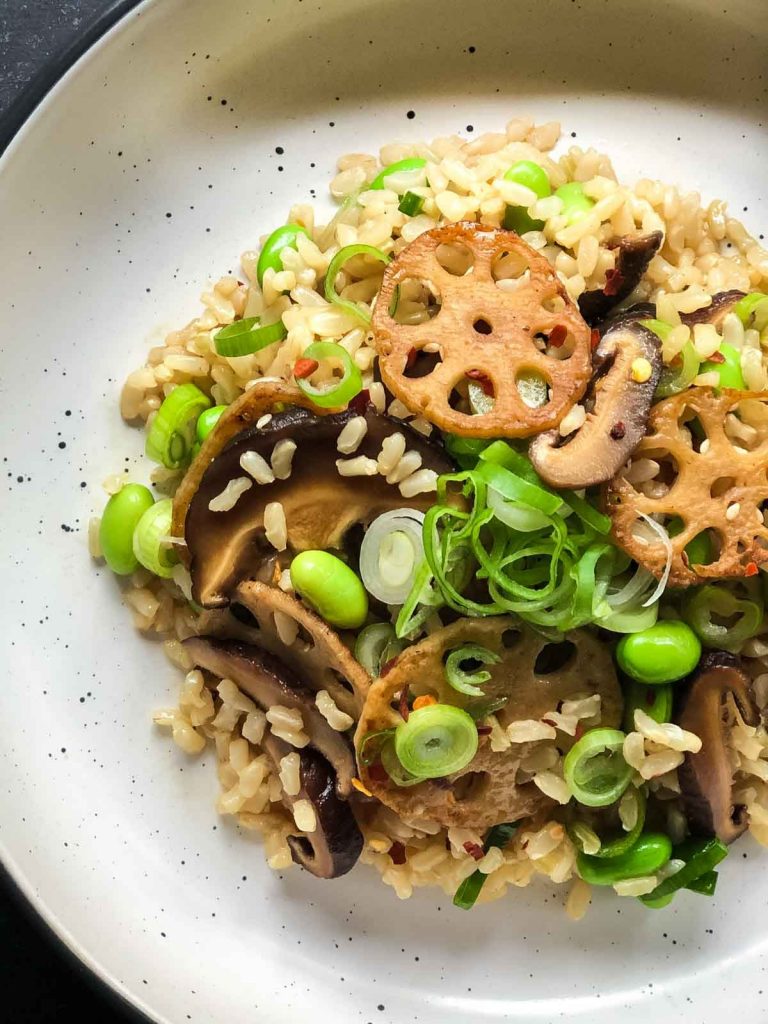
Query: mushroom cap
x=319, y=504
x=706, y=706
x=268, y=681
x=721, y=305
x=487, y=791
x=635, y=252
x=618, y=412
x=335, y=846
x=317, y=655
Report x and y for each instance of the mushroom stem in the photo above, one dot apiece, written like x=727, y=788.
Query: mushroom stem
x=706, y=778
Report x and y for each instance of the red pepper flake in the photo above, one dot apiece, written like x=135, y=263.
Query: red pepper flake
x=387, y=666
x=618, y=430
x=360, y=402
x=474, y=850
x=579, y=731
x=484, y=730
x=397, y=853
x=751, y=569
x=548, y=721
x=483, y=380
x=677, y=361
x=403, y=703
x=410, y=359
x=558, y=335
x=717, y=357
x=304, y=368
x=377, y=772
x=594, y=338
x=614, y=279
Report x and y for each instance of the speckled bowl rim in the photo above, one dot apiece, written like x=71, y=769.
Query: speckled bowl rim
x=11, y=122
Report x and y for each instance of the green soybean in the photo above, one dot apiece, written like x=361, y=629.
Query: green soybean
x=662, y=653
x=575, y=201
x=207, y=421
x=729, y=371
x=121, y=516
x=649, y=854
x=534, y=177
x=331, y=587
x=655, y=701
x=282, y=238
x=411, y=163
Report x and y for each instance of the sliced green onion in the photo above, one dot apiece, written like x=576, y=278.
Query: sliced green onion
x=173, y=429
x=701, y=856
x=410, y=163
x=465, y=450
x=480, y=709
x=728, y=370
x=623, y=842
x=705, y=885
x=469, y=682
x=151, y=544
x=515, y=488
x=369, y=748
x=243, y=337
x=467, y=893
x=660, y=328
x=744, y=616
x=394, y=768
x=375, y=645
x=270, y=257
x=391, y=553
x=340, y=392
x=335, y=266
x=411, y=204
x=587, y=513
x=515, y=514
x=746, y=307
x=437, y=740
x=634, y=621
x=673, y=380
x=595, y=769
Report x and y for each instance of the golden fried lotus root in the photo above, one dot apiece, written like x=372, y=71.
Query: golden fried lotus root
x=712, y=451
x=507, y=324
x=496, y=785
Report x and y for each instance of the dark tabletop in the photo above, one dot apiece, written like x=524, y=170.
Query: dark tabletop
x=41, y=985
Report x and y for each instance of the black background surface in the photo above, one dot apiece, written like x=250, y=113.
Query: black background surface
x=40, y=985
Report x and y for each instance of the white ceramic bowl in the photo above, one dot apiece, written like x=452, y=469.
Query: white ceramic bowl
x=144, y=173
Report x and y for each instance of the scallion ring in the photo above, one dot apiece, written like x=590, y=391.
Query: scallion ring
x=391, y=552
x=394, y=767
x=337, y=393
x=437, y=740
x=595, y=769
x=375, y=645
x=244, y=337
x=465, y=681
x=151, y=544
x=369, y=749
x=173, y=429
x=336, y=264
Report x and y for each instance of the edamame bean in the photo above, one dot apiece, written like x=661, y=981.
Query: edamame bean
x=534, y=177
x=330, y=586
x=660, y=654
x=575, y=201
x=282, y=238
x=730, y=371
x=411, y=163
x=655, y=701
x=207, y=420
x=121, y=515
x=649, y=854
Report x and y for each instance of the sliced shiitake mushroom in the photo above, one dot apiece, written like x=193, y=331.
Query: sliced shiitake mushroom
x=334, y=846
x=627, y=364
x=260, y=614
x=634, y=253
x=320, y=506
x=269, y=682
x=533, y=676
x=707, y=707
